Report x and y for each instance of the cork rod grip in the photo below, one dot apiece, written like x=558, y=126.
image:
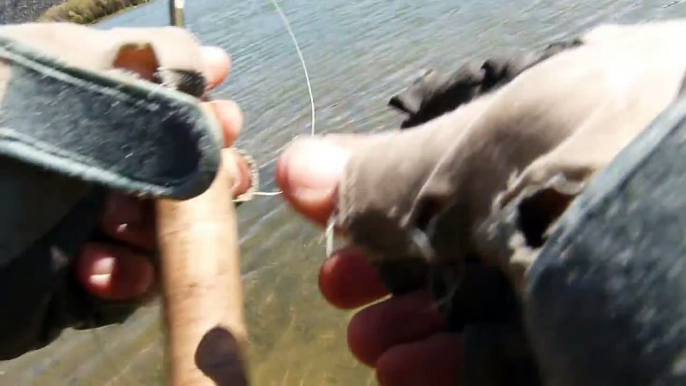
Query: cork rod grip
x=201, y=288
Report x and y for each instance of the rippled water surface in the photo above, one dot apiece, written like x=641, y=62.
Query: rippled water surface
x=359, y=53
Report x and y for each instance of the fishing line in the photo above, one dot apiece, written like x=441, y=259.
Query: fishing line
x=329, y=233
x=287, y=25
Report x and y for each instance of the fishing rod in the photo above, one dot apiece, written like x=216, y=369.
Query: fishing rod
x=177, y=13
x=202, y=295
x=205, y=330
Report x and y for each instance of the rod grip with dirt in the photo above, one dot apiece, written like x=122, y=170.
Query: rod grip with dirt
x=201, y=288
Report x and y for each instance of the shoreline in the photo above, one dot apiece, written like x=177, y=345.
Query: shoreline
x=88, y=11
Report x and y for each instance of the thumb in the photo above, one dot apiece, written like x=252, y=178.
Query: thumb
x=309, y=173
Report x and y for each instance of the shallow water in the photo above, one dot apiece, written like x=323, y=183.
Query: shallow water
x=359, y=53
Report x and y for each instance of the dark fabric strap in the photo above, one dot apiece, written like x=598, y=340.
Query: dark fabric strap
x=130, y=135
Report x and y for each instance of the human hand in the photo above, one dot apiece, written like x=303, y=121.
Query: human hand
x=458, y=178
x=404, y=337
x=61, y=266
x=122, y=270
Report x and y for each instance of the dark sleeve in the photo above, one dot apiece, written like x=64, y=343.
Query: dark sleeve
x=39, y=294
x=604, y=300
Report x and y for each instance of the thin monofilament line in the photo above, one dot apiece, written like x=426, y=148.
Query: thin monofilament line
x=267, y=194
x=287, y=25
x=329, y=234
x=302, y=60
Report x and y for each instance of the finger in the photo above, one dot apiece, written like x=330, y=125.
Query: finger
x=434, y=361
x=114, y=273
x=230, y=118
x=237, y=167
x=348, y=281
x=395, y=321
x=217, y=65
x=129, y=220
x=350, y=142
x=308, y=173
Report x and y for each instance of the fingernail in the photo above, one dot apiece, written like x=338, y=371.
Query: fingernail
x=213, y=54
x=243, y=180
x=102, y=271
x=216, y=64
x=315, y=168
x=103, y=266
x=100, y=280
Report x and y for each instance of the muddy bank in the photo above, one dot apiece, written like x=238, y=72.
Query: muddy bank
x=20, y=11
x=87, y=11
x=75, y=11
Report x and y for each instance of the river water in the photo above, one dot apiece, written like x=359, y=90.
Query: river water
x=359, y=54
